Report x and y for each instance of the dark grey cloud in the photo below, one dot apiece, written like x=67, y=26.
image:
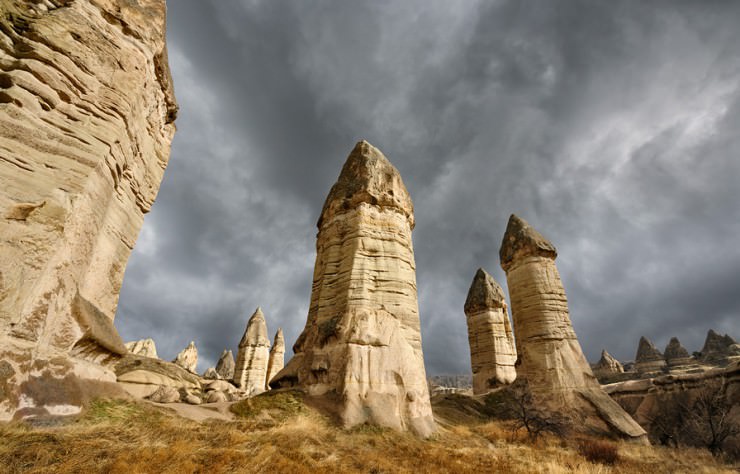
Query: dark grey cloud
x=612, y=127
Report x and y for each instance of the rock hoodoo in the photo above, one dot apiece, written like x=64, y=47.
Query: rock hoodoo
x=250, y=372
x=675, y=354
x=719, y=349
x=87, y=114
x=492, y=353
x=648, y=358
x=607, y=365
x=143, y=347
x=225, y=365
x=551, y=361
x=361, y=348
x=188, y=358
x=277, y=357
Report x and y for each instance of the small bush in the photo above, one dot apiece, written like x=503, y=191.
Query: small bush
x=597, y=451
x=279, y=405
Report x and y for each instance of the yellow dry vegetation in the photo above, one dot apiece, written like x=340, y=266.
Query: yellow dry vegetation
x=280, y=434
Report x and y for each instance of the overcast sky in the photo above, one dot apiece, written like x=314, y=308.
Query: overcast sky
x=612, y=127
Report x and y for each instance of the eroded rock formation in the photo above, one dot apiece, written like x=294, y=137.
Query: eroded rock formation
x=250, y=372
x=361, y=348
x=607, y=365
x=649, y=360
x=719, y=349
x=188, y=358
x=551, y=361
x=675, y=354
x=225, y=365
x=277, y=357
x=143, y=347
x=86, y=120
x=492, y=353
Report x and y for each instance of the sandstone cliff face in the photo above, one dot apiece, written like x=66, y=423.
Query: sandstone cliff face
x=277, y=357
x=143, y=347
x=86, y=120
x=361, y=348
x=551, y=361
x=250, y=372
x=492, y=353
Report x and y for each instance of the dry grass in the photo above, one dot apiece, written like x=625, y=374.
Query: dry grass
x=280, y=434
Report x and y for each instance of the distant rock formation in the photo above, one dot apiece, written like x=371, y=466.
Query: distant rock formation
x=250, y=372
x=649, y=359
x=361, y=348
x=277, y=357
x=675, y=354
x=225, y=365
x=492, y=353
x=143, y=347
x=551, y=361
x=211, y=374
x=188, y=358
x=719, y=350
x=607, y=365
x=86, y=120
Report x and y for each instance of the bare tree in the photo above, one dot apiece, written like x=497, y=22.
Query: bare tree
x=710, y=420
x=517, y=403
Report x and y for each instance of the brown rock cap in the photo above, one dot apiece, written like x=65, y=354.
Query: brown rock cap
x=484, y=293
x=522, y=240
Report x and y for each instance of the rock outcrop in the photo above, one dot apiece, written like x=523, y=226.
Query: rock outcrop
x=607, y=365
x=360, y=351
x=140, y=376
x=277, y=357
x=649, y=359
x=87, y=115
x=225, y=365
x=719, y=350
x=211, y=374
x=675, y=354
x=188, y=358
x=551, y=361
x=492, y=353
x=143, y=347
x=250, y=372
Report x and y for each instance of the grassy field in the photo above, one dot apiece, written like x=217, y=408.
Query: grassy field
x=278, y=433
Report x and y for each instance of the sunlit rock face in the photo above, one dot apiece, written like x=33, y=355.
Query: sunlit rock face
x=143, y=347
x=86, y=120
x=550, y=359
x=492, y=353
x=277, y=357
x=250, y=372
x=188, y=358
x=225, y=365
x=361, y=348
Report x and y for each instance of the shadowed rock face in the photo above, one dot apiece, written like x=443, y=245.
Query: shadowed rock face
x=361, y=348
x=225, y=365
x=86, y=120
x=250, y=372
x=648, y=358
x=550, y=360
x=719, y=349
x=492, y=353
x=277, y=357
x=675, y=354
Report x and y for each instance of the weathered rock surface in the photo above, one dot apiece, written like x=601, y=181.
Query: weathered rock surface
x=250, y=373
x=216, y=397
x=675, y=354
x=277, y=357
x=360, y=351
x=649, y=359
x=719, y=349
x=225, y=365
x=608, y=365
x=141, y=376
x=492, y=353
x=188, y=358
x=192, y=399
x=86, y=120
x=211, y=374
x=143, y=347
x=551, y=361
x=165, y=394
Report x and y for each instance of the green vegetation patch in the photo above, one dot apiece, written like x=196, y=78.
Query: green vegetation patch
x=279, y=405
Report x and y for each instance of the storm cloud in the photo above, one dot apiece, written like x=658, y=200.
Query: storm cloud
x=612, y=127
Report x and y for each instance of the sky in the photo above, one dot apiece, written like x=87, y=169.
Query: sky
x=612, y=127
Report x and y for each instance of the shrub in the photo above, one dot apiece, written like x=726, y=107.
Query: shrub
x=598, y=451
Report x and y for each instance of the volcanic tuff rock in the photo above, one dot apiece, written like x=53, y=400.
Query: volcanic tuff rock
x=551, y=361
x=492, y=353
x=211, y=374
x=143, y=347
x=675, y=354
x=188, y=358
x=608, y=364
x=277, y=357
x=141, y=376
x=250, y=373
x=86, y=120
x=360, y=351
x=648, y=358
x=719, y=349
x=225, y=365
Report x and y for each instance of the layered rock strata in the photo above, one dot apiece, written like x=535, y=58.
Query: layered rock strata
x=250, y=372
x=649, y=360
x=225, y=365
x=492, y=353
x=277, y=357
x=607, y=366
x=676, y=355
x=551, y=361
x=188, y=358
x=86, y=119
x=719, y=350
x=360, y=352
x=143, y=347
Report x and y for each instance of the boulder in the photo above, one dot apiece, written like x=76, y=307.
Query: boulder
x=216, y=397
x=165, y=394
x=492, y=353
x=188, y=358
x=277, y=357
x=250, y=372
x=143, y=347
x=551, y=362
x=225, y=365
x=360, y=353
x=192, y=399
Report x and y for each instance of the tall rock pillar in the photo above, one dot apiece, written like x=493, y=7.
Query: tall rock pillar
x=550, y=358
x=250, y=372
x=277, y=357
x=492, y=353
x=361, y=347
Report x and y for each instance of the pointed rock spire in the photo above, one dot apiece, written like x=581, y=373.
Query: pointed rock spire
x=277, y=357
x=649, y=360
x=143, y=347
x=250, y=371
x=718, y=349
x=188, y=358
x=522, y=240
x=492, y=353
x=225, y=365
x=675, y=354
x=607, y=365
